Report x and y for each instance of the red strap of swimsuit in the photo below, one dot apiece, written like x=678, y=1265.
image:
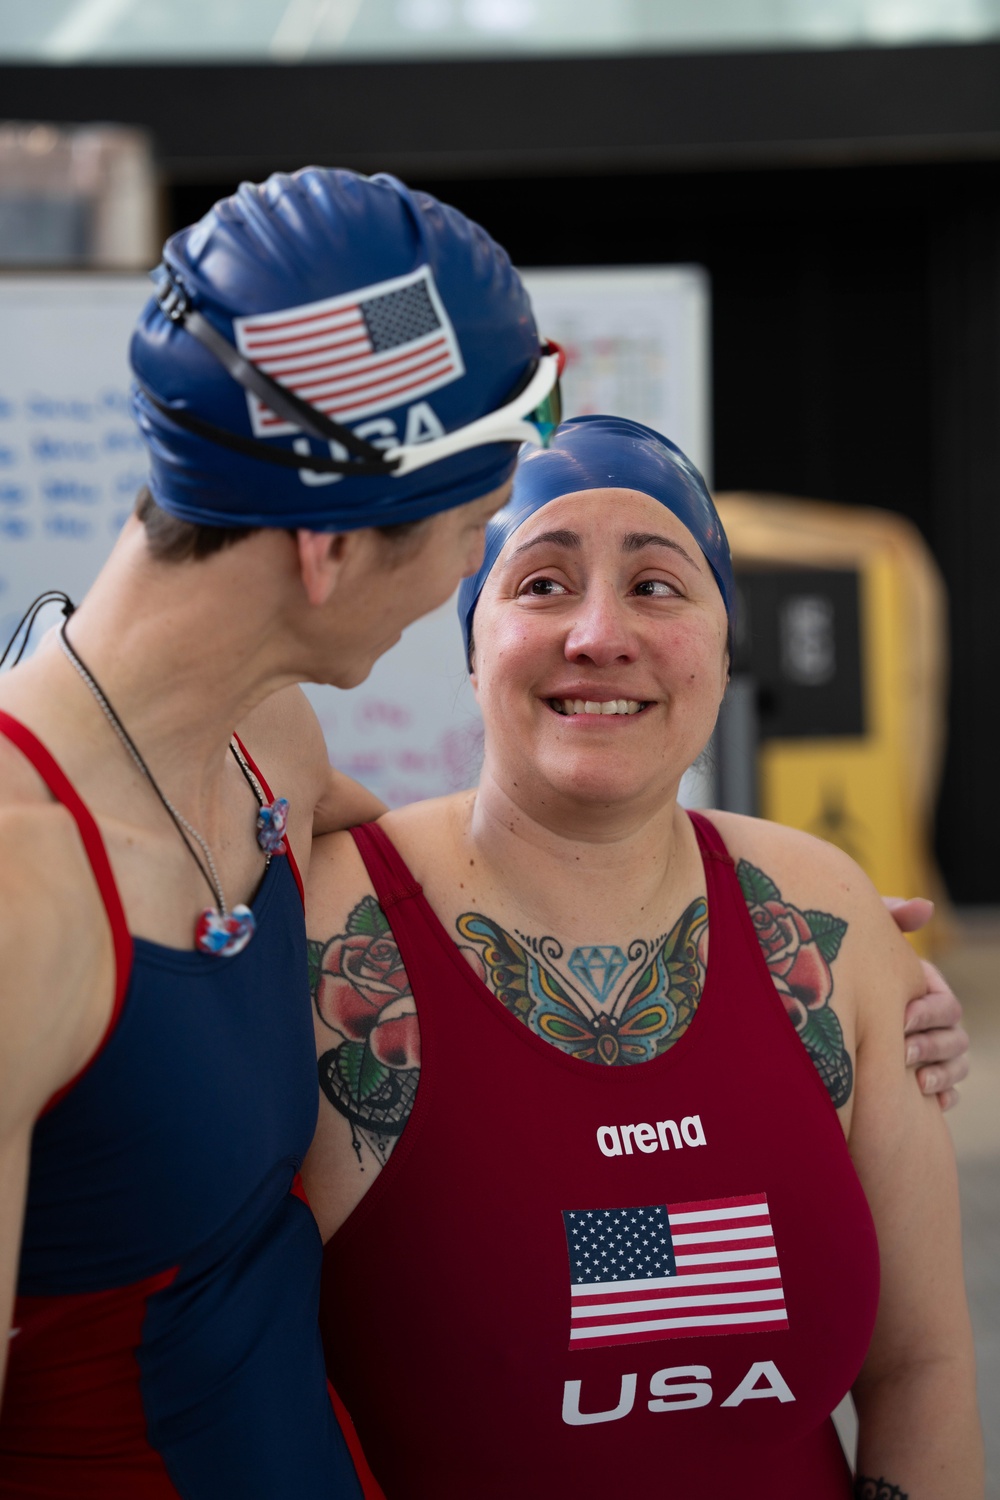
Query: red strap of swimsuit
x=389, y=875
x=710, y=840
x=270, y=796
x=64, y=792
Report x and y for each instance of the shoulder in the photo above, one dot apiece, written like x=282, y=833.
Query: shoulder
x=336, y=883
x=793, y=853
x=784, y=870
x=42, y=868
x=430, y=835
x=284, y=737
x=56, y=960
x=426, y=835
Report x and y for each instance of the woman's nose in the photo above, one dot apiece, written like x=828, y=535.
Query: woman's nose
x=601, y=632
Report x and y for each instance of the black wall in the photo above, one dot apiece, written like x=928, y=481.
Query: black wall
x=856, y=357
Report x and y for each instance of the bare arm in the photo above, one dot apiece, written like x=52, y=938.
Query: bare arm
x=919, y=1431
x=285, y=737
x=56, y=987
x=343, y=804
x=367, y=1036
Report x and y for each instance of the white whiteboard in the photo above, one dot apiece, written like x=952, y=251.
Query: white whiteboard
x=71, y=463
x=71, y=459
x=638, y=344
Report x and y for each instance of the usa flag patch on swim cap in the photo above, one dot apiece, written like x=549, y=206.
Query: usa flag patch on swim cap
x=354, y=355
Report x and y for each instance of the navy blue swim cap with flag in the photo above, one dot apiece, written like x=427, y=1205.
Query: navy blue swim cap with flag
x=599, y=453
x=334, y=351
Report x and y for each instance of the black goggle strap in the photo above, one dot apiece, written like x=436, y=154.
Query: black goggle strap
x=284, y=403
x=285, y=458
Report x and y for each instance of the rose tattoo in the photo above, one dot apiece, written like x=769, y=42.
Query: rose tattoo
x=799, y=948
x=361, y=992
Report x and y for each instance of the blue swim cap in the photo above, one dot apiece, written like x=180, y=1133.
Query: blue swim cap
x=598, y=453
x=393, y=314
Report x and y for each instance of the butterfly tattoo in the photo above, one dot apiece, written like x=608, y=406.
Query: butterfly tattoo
x=600, y=1004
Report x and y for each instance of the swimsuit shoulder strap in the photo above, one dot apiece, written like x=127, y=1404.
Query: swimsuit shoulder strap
x=389, y=874
x=293, y=865
x=62, y=789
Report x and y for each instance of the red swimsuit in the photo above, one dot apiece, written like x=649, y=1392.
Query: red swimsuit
x=585, y=1281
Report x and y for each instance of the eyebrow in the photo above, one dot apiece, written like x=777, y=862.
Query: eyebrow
x=553, y=538
x=635, y=541
x=632, y=541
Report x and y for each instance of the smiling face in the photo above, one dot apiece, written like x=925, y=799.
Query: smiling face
x=600, y=652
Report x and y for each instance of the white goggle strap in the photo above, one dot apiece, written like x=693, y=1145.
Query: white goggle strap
x=508, y=424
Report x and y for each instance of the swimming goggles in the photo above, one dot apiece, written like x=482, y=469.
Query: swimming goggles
x=531, y=414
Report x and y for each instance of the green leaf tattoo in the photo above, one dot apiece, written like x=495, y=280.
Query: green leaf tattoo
x=799, y=948
x=314, y=955
x=367, y=919
x=828, y=932
x=362, y=1074
x=755, y=885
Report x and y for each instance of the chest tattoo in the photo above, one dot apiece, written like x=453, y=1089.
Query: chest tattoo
x=600, y=1003
x=608, y=1005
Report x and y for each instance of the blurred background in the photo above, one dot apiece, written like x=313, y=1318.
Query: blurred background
x=769, y=227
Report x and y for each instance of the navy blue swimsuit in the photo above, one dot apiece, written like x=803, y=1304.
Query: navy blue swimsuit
x=165, y=1337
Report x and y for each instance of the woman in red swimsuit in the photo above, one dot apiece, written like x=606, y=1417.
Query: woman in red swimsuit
x=617, y=1143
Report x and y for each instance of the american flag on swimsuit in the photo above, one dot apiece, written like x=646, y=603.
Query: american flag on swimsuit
x=672, y=1271
x=351, y=356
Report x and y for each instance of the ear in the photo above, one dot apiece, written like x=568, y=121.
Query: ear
x=322, y=555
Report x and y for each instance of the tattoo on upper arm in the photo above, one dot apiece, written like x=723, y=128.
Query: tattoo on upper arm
x=800, y=947
x=362, y=994
x=599, y=1004
x=877, y=1489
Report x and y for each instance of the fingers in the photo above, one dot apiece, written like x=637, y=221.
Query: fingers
x=938, y=1007
x=948, y=1099
x=945, y=1045
x=943, y=1076
x=909, y=915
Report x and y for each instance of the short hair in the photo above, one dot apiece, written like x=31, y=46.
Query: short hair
x=172, y=540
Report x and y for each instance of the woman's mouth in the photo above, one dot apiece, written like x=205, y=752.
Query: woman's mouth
x=568, y=706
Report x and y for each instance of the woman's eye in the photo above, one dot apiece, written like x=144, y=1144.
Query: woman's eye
x=541, y=588
x=655, y=588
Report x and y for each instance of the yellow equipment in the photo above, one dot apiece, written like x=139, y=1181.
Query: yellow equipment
x=849, y=750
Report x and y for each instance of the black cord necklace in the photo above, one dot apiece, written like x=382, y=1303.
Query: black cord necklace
x=51, y=596
x=219, y=930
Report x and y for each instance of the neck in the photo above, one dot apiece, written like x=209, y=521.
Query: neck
x=182, y=652
x=608, y=870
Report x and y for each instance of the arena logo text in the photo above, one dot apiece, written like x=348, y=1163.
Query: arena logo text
x=622, y=1140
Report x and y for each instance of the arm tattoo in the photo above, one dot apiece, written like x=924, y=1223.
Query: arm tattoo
x=800, y=947
x=877, y=1489
x=361, y=993
x=601, y=1004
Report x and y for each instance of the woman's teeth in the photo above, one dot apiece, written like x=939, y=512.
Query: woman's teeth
x=586, y=706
